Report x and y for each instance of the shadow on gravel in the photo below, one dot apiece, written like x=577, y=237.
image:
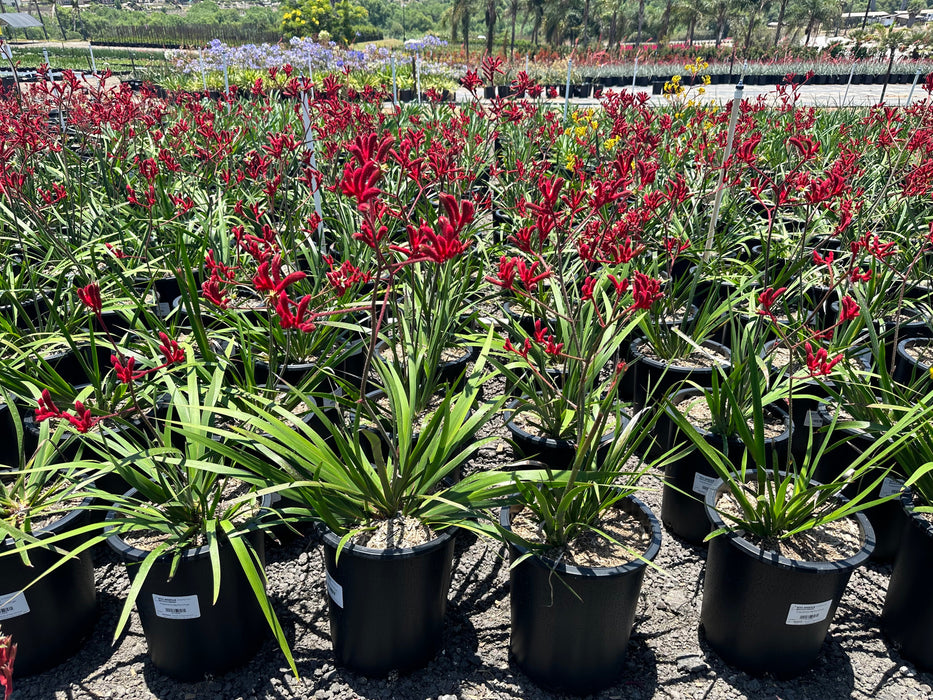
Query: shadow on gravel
x=92, y=661
x=830, y=677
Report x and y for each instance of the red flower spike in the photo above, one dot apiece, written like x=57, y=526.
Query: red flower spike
x=471, y=81
x=528, y=277
x=7, y=657
x=47, y=408
x=83, y=421
x=90, y=297
x=586, y=292
x=767, y=300
x=170, y=350
x=124, y=371
x=621, y=287
x=645, y=291
x=359, y=183
x=212, y=290
x=505, y=276
x=459, y=213
x=523, y=352
x=849, y=309
x=818, y=363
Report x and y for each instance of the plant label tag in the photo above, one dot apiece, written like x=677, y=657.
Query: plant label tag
x=808, y=613
x=890, y=486
x=334, y=590
x=5, y=51
x=702, y=483
x=812, y=419
x=179, y=607
x=13, y=605
x=163, y=309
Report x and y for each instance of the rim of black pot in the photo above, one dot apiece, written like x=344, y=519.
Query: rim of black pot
x=56, y=525
x=510, y=411
x=687, y=392
x=467, y=355
x=653, y=530
x=860, y=353
x=129, y=552
x=718, y=347
x=910, y=508
x=860, y=557
x=902, y=350
x=331, y=539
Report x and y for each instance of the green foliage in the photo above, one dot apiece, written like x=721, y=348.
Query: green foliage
x=342, y=20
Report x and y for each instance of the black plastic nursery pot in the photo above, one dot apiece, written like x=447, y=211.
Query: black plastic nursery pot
x=571, y=625
x=907, y=616
x=653, y=377
x=686, y=480
x=293, y=373
x=67, y=363
x=763, y=612
x=908, y=370
x=557, y=454
x=515, y=314
x=887, y=518
x=387, y=605
x=51, y=618
x=189, y=636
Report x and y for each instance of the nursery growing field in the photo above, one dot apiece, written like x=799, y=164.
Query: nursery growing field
x=287, y=329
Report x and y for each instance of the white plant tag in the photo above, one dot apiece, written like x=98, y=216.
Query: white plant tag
x=890, y=486
x=808, y=613
x=334, y=590
x=13, y=605
x=164, y=309
x=812, y=419
x=5, y=51
x=180, y=607
x=702, y=483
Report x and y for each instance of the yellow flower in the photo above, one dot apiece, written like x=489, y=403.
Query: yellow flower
x=609, y=144
x=571, y=161
x=581, y=132
x=700, y=90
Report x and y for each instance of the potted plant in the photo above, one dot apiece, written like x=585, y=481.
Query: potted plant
x=907, y=616
x=738, y=411
x=579, y=544
x=47, y=575
x=794, y=542
x=187, y=528
x=384, y=490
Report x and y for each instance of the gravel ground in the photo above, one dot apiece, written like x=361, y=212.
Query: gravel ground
x=667, y=656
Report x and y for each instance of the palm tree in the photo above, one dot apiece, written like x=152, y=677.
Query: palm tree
x=813, y=13
x=889, y=39
x=460, y=16
x=513, y=13
x=780, y=22
x=491, y=17
x=689, y=12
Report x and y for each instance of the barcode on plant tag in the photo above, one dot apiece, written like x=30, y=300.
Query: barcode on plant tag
x=808, y=613
x=13, y=605
x=702, y=483
x=890, y=486
x=181, y=607
x=334, y=590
